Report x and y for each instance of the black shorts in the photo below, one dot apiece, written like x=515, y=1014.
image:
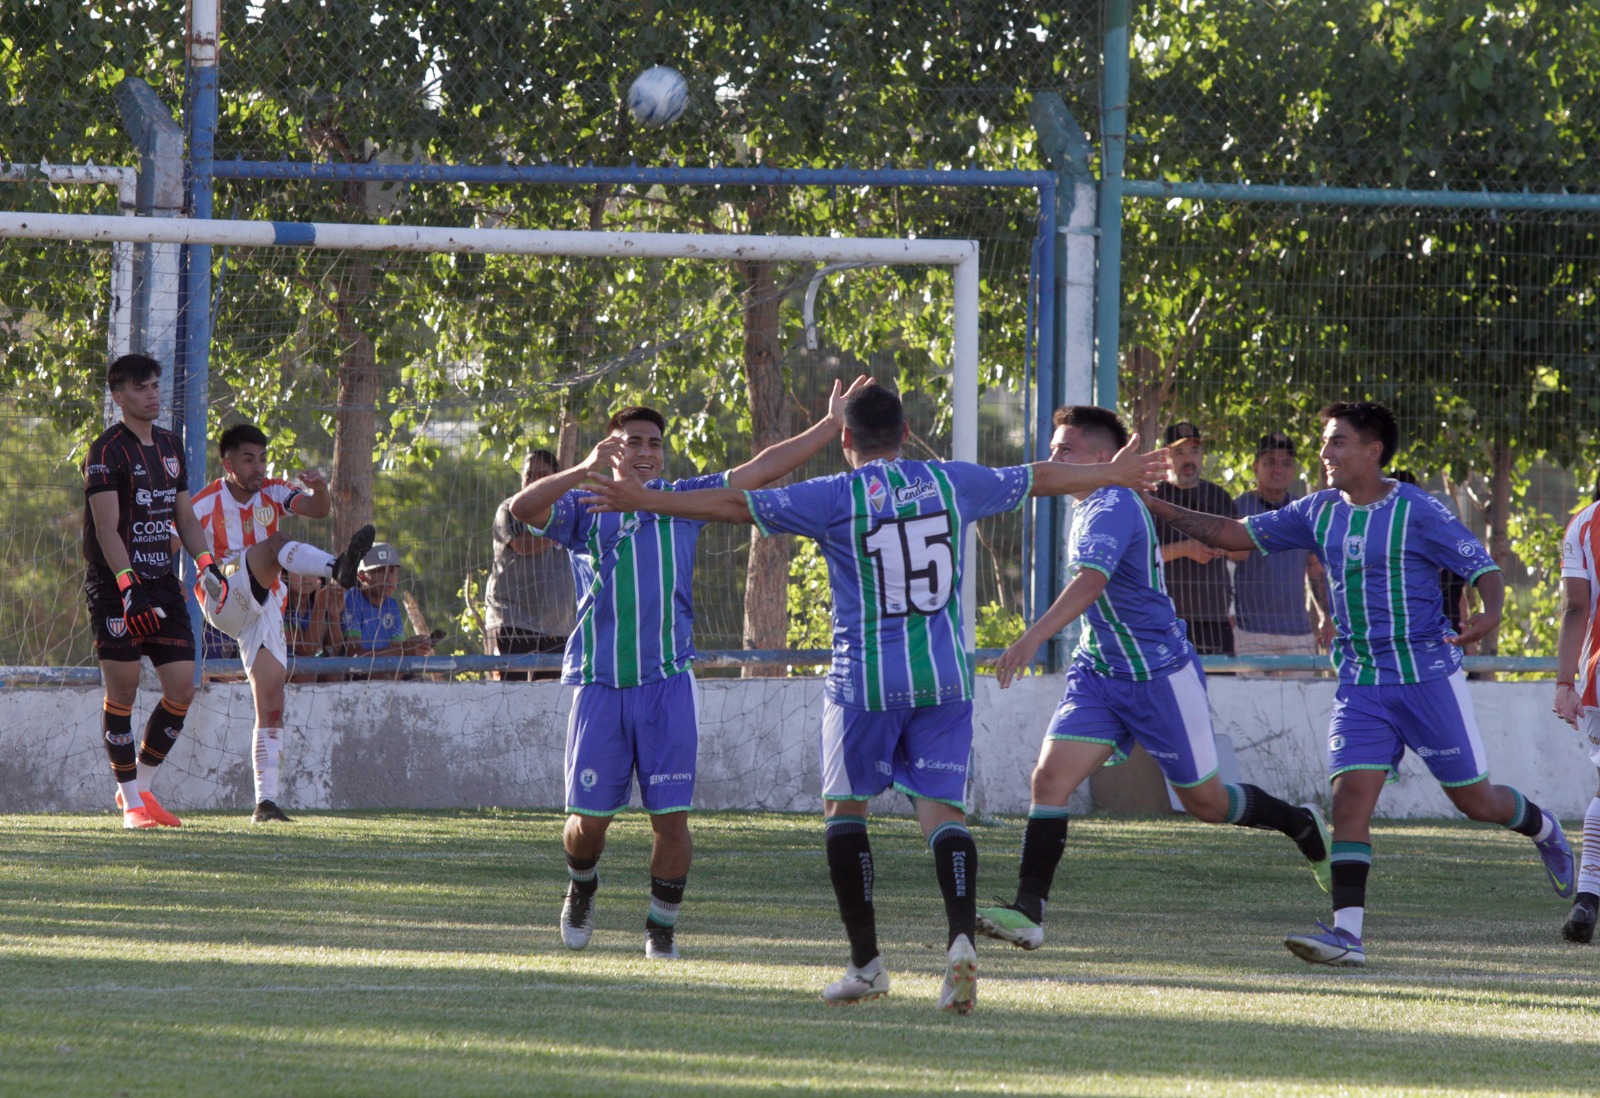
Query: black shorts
x=172, y=643
x=520, y=642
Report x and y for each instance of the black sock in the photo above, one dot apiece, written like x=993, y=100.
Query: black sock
x=1351, y=864
x=584, y=878
x=1529, y=820
x=161, y=731
x=666, y=896
x=1044, y=840
x=116, y=728
x=1254, y=807
x=955, y=861
x=850, y=867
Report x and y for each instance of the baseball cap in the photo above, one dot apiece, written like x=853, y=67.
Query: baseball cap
x=1179, y=431
x=381, y=555
x=1275, y=440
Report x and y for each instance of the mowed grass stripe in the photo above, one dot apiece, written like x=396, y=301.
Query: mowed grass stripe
x=417, y=953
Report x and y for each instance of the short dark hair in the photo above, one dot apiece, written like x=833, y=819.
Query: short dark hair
x=636, y=411
x=1370, y=420
x=536, y=456
x=238, y=435
x=876, y=419
x=1093, y=418
x=126, y=369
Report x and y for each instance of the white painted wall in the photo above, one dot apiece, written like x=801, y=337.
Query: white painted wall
x=438, y=745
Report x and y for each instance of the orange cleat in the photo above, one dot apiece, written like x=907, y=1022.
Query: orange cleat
x=159, y=816
x=137, y=818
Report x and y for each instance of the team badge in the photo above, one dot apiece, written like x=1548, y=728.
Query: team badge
x=264, y=514
x=876, y=493
x=116, y=627
x=1466, y=548
x=588, y=779
x=172, y=465
x=1354, y=546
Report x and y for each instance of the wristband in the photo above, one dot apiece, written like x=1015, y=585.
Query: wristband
x=1564, y=682
x=126, y=579
x=204, y=561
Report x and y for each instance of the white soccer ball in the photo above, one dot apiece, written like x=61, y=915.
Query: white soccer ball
x=658, y=95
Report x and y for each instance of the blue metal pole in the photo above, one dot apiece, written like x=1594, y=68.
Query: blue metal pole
x=1363, y=196
x=1113, y=153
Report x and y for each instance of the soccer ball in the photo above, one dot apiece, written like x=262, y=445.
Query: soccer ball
x=658, y=96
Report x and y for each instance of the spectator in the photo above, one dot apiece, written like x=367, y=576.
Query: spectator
x=309, y=611
x=1270, y=591
x=1197, y=575
x=531, y=603
x=372, y=622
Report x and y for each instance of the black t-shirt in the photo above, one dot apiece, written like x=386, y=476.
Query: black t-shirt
x=147, y=480
x=1200, y=592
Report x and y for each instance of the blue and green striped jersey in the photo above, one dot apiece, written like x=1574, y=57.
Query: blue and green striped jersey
x=1132, y=630
x=634, y=574
x=1383, y=562
x=892, y=533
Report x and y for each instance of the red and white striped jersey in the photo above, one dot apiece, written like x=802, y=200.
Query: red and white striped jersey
x=232, y=527
x=1580, y=559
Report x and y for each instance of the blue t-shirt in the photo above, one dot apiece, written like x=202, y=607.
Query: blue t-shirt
x=1383, y=562
x=1132, y=631
x=372, y=627
x=1269, y=591
x=892, y=533
x=634, y=574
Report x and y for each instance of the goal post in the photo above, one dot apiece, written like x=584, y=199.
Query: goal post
x=961, y=256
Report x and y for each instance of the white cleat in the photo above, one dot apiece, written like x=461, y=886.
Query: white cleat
x=577, y=919
x=959, y=993
x=871, y=981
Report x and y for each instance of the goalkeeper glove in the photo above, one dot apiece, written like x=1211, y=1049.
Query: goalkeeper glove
x=138, y=612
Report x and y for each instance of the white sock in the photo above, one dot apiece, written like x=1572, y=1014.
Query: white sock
x=1350, y=919
x=305, y=560
x=130, y=795
x=268, y=745
x=1546, y=827
x=146, y=772
x=1589, y=856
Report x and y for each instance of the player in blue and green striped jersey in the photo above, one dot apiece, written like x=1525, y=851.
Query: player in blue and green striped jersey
x=636, y=711
x=1399, y=662
x=897, y=702
x=1134, y=679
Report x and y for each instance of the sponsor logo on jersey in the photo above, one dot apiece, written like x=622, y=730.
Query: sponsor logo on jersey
x=910, y=493
x=882, y=767
x=172, y=466
x=1091, y=543
x=98, y=470
x=141, y=496
x=1436, y=752
x=158, y=528
x=1354, y=546
x=938, y=764
x=657, y=779
x=1466, y=547
x=264, y=514
x=138, y=470
x=876, y=493
x=588, y=779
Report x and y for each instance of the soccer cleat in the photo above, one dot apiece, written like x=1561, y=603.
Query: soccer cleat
x=1335, y=948
x=577, y=919
x=659, y=944
x=871, y=981
x=137, y=819
x=1007, y=923
x=152, y=809
x=1322, y=867
x=348, y=563
x=268, y=812
x=959, y=992
x=1579, y=926
x=1557, y=855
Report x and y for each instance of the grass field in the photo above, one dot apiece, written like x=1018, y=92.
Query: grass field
x=417, y=954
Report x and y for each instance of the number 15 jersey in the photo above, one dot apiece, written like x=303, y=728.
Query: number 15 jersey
x=892, y=533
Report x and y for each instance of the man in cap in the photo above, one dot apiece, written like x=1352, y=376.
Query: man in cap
x=1269, y=592
x=1197, y=575
x=372, y=621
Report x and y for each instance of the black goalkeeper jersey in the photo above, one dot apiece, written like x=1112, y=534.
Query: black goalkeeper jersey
x=147, y=480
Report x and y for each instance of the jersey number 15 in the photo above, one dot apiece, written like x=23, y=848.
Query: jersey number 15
x=914, y=564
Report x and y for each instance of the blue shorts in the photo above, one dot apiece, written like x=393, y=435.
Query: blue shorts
x=1169, y=717
x=1373, y=725
x=923, y=752
x=653, y=729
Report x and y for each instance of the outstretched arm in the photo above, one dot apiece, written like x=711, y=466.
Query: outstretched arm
x=787, y=456
x=627, y=494
x=1128, y=468
x=1075, y=598
x=1214, y=530
x=532, y=505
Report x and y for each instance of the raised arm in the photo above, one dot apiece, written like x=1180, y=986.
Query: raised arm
x=1075, y=598
x=532, y=505
x=627, y=494
x=1569, y=647
x=1129, y=469
x=1216, y=531
x=316, y=501
x=787, y=456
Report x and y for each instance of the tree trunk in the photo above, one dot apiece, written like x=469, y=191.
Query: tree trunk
x=766, y=597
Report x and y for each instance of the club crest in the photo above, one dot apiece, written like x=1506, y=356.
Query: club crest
x=172, y=466
x=264, y=514
x=1355, y=546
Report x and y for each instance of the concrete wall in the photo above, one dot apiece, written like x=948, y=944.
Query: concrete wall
x=437, y=745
